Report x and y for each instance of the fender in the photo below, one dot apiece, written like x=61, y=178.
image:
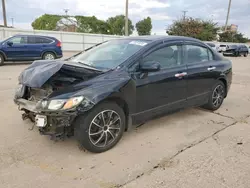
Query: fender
x=2, y=52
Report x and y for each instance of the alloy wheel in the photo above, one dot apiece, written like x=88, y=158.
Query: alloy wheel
x=105, y=128
x=218, y=95
x=49, y=57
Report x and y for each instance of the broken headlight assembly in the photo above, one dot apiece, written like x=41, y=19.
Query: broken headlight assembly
x=65, y=104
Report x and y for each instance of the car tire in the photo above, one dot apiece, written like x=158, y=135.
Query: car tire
x=1, y=60
x=216, y=97
x=94, y=130
x=246, y=54
x=49, y=56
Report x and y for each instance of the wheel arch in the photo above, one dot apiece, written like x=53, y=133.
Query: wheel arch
x=124, y=106
x=3, y=54
x=224, y=81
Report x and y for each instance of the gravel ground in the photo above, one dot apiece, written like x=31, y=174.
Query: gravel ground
x=192, y=148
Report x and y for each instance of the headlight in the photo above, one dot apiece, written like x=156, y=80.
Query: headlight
x=56, y=104
x=73, y=102
x=64, y=103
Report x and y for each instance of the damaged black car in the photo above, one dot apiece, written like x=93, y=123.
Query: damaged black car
x=98, y=94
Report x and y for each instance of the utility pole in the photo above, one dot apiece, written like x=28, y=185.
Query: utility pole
x=4, y=13
x=126, y=19
x=66, y=11
x=184, y=14
x=12, y=21
x=228, y=12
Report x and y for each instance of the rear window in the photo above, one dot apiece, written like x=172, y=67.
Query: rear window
x=42, y=40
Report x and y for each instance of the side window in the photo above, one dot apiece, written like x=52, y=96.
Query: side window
x=41, y=40
x=31, y=40
x=168, y=57
x=196, y=54
x=19, y=40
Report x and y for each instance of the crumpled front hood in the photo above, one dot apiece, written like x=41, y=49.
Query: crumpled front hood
x=41, y=71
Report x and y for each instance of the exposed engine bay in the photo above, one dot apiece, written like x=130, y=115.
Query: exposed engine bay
x=38, y=86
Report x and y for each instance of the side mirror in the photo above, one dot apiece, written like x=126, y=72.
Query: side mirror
x=9, y=43
x=150, y=66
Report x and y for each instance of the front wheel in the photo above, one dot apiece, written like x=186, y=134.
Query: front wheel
x=245, y=55
x=216, y=97
x=1, y=60
x=101, y=128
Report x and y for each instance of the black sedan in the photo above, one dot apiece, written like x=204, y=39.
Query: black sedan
x=98, y=94
x=236, y=50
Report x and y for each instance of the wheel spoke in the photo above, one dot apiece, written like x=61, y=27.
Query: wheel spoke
x=114, y=128
x=96, y=124
x=113, y=122
x=110, y=116
x=103, y=118
x=92, y=134
x=99, y=138
x=111, y=134
x=106, y=138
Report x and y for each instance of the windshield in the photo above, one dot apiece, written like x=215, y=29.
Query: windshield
x=110, y=54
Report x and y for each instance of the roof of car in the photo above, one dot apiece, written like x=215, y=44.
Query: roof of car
x=33, y=35
x=165, y=38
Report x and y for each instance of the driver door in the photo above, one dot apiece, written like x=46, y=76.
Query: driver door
x=18, y=49
x=166, y=88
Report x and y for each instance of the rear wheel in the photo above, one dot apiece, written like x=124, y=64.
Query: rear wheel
x=245, y=55
x=49, y=56
x=101, y=128
x=1, y=60
x=216, y=97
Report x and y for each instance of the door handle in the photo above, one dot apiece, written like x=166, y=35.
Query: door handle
x=180, y=75
x=211, y=68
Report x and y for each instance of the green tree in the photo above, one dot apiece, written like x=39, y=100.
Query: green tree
x=233, y=37
x=87, y=24
x=46, y=22
x=144, y=26
x=196, y=28
x=117, y=25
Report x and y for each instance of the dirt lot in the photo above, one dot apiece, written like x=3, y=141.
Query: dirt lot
x=192, y=148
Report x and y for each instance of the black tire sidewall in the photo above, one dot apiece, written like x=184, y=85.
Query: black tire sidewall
x=48, y=53
x=210, y=104
x=82, y=123
x=1, y=60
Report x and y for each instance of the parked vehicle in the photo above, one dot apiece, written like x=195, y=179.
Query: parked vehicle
x=236, y=50
x=213, y=46
x=29, y=47
x=99, y=94
x=223, y=48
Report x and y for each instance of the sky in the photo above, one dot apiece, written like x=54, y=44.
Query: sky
x=162, y=12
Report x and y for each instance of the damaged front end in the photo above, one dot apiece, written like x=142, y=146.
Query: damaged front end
x=48, y=95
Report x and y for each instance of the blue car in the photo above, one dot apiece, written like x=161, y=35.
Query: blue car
x=29, y=47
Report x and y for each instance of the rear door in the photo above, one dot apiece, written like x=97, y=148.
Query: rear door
x=33, y=48
x=166, y=88
x=202, y=72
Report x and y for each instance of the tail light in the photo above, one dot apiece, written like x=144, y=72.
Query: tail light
x=59, y=44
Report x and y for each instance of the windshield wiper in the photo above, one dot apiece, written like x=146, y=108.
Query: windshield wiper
x=90, y=66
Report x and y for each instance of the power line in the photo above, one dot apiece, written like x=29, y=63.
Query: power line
x=228, y=12
x=4, y=13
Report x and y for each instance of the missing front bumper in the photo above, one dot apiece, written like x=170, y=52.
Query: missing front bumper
x=53, y=123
